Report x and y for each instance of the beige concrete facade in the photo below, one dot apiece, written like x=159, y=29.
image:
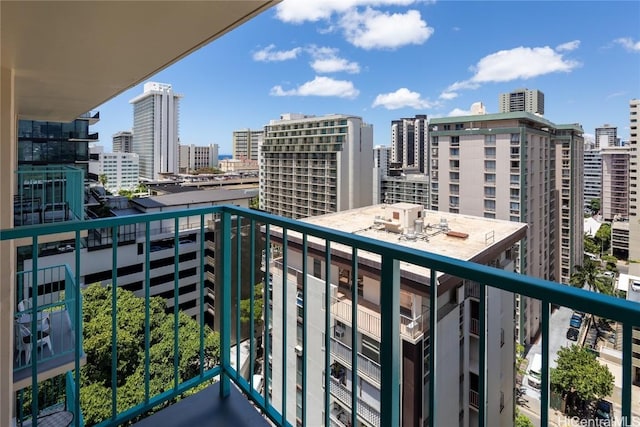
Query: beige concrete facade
x=614, y=203
x=634, y=182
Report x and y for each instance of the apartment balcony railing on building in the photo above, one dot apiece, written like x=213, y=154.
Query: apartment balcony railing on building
x=474, y=399
x=48, y=194
x=474, y=326
x=366, y=366
x=365, y=411
x=288, y=237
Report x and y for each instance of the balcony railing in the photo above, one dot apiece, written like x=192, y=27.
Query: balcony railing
x=366, y=366
x=48, y=194
x=321, y=243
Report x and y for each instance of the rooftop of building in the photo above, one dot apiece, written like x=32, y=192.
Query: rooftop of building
x=199, y=197
x=459, y=236
x=515, y=115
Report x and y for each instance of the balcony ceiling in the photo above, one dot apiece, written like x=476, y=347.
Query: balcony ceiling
x=69, y=57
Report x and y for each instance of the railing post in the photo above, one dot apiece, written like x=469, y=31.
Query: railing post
x=544, y=386
x=433, y=335
x=390, y=342
x=627, y=354
x=482, y=357
x=225, y=312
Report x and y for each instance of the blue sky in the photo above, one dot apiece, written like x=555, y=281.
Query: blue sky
x=386, y=59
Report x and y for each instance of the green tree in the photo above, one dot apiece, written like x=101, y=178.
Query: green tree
x=102, y=179
x=96, y=378
x=522, y=420
x=590, y=245
x=255, y=202
x=602, y=238
x=245, y=307
x=594, y=205
x=579, y=373
x=589, y=274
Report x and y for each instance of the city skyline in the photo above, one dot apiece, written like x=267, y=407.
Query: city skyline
x=433, y=58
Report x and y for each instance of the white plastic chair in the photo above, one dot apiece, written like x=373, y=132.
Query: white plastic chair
x=24, y=342
x=25, y=305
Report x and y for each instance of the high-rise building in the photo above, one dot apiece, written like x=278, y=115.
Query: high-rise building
x=615, y=183
x=381, y=159
x=634, y=181
x=155, y=130
x=592, y=176
x=315, y=165
x=245, y=143
x=531, y=101
x=472, y=157
x=458, y=330
x=607, y=136
x=192, y=157
x=122, y=142
x=409, y=142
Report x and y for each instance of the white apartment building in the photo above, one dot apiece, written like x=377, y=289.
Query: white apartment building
x=517, y=167
x=381, y=159
x=121, y=170
x=592, y=176
x=486, y=241
x=615, y=183
x=531, y=101
x=155, y=130
x=193, y=157
x=315, y=165
x=407, y=187
x=409, y=140
x=97, y=253
x=634, y=181
x=245, y=144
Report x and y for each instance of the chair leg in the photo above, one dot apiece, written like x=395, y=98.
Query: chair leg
x=27, y=355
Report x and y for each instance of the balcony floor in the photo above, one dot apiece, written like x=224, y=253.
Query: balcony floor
x=207, y=409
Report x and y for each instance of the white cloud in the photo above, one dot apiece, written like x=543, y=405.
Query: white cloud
x=320, y=86
x=448, y=95
x=517, y=63
x=616, y=94
x=568, y=46
x=373, y=29
x=268, y=54
x=401, y=98
x=459, y=112
x=629, y=44
x=326, y=60
x=298, y=11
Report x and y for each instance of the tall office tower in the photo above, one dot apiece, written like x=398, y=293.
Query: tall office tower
x=634, y=181
x=607, y=136
x=122, y=142
x=409, y=142
x=531, y=101
x=473, y=157
x=245, y=143
x=315, y=165
x=458, y=338
x=192, y=157
x=615, y=183
x=592, y=176
x=155, y=130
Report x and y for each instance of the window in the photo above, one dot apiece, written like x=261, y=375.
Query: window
x=490, y=205
x=514, y=179
x=514, y=206
x=371, y=348
x=515, y=138
x=490, y=192
x=490, y=139
x=514, y=193
x=454, y=188
x=454, y=176
x=434, y=141
x=454, y=152
x=489, y=177
x=489, y=165
x=455, y=141
x=317, y=268
x=454, y=164
x=490, y=152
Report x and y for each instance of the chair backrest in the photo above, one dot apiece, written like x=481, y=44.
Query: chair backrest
x=23, y=305
x=22, y=332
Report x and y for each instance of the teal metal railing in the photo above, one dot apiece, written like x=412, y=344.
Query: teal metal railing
x=56, y=400
x=297, y=243
x=48, y=194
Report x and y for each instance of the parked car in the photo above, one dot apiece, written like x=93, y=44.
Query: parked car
x=604, y=412
x=576, y=321
x=534, y=372
x=572, y=334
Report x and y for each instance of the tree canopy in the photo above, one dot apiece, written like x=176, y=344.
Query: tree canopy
x=95, y=393
x=579, y=372
x=594, y=205
x=522, y=421
x=589, y=274
x=602, y=238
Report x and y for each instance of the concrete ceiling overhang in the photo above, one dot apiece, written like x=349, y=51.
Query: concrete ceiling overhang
x=69, y=57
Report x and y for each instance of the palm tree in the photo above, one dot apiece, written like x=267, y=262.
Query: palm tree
x=589, y=274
